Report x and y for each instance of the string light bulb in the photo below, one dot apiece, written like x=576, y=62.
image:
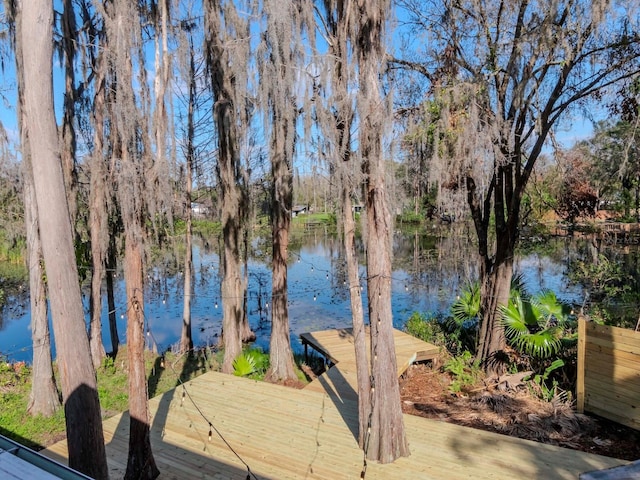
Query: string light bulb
x=210, y=432
x=216, y=304
x=314, y=297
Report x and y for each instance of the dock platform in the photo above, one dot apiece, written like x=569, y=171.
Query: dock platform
x=280, y=433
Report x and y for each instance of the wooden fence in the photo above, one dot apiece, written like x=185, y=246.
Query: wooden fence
x=609, y=372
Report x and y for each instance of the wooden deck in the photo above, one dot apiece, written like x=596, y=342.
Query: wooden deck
x=337, y=347
x=282, y=433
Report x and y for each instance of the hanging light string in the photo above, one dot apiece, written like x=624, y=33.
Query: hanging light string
x=299, y=293
x=154, y=284
x=212, y=427
x=305, y=293
x=259, y=294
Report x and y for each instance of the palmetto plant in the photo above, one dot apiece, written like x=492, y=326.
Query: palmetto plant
x=244, y=365
x=536, y=326
x=466, y=308
x=467, y=305
x=250, y=362
x=462, y=326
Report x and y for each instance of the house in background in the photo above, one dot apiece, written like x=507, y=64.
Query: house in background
x=298, y=210
x=199, y=209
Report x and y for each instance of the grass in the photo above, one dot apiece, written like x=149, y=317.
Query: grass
x=319, y=218
x=15, y=386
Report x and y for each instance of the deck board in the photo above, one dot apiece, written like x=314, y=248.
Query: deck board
x=293, y=434
x=338, y=346
x=283, y=433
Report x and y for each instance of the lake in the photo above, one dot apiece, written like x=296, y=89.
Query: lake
x=429, y=271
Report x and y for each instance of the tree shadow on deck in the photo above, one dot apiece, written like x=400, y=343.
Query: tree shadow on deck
x=521, y=458
x=343, y=396
x=169, y=432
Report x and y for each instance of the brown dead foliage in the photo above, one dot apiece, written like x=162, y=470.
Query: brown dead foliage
x=425, y=392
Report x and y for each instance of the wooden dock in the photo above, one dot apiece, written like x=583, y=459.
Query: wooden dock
x=337, y=347
x=282, y=433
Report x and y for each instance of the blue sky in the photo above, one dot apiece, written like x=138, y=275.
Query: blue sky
x=572, y=129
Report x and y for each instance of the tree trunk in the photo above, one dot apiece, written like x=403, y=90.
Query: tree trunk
x=357, y=313
x=339, y=21
x=141, y=463
x=44, y=398
x=98, y=218
x=186, y=338
x=232, y=203
x=387, y=440
x=495, y=289
x=98, y=231
x=246, y=334
x=230, y=179
x=111, y=300
x=78, y=379
x=496, y=270
x=281, y=356
x=138, y=193
x=636, y=185
x=68, y=135
x=281, y=104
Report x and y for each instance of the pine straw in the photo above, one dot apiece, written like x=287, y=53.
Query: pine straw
x=515, y=413
x=521, y=415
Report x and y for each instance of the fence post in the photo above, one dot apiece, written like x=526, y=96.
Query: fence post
x=582, y=346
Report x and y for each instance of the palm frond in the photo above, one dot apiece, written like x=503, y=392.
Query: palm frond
x=527, y=330
x=244, y=365
x=542, y=344
x=467, y=305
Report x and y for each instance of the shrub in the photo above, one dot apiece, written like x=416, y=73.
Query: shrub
x=427, y=329
x=465, y=371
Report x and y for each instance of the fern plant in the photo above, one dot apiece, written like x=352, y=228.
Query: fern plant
x=464, y=370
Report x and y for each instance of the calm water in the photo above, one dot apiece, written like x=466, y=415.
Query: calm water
x=428, y=274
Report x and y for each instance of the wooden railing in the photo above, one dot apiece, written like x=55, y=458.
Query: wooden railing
x=608, y=381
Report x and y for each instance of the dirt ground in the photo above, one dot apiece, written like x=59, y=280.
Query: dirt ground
x=425, y=392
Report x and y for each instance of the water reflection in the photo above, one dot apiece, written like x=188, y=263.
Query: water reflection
x=429, y=271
